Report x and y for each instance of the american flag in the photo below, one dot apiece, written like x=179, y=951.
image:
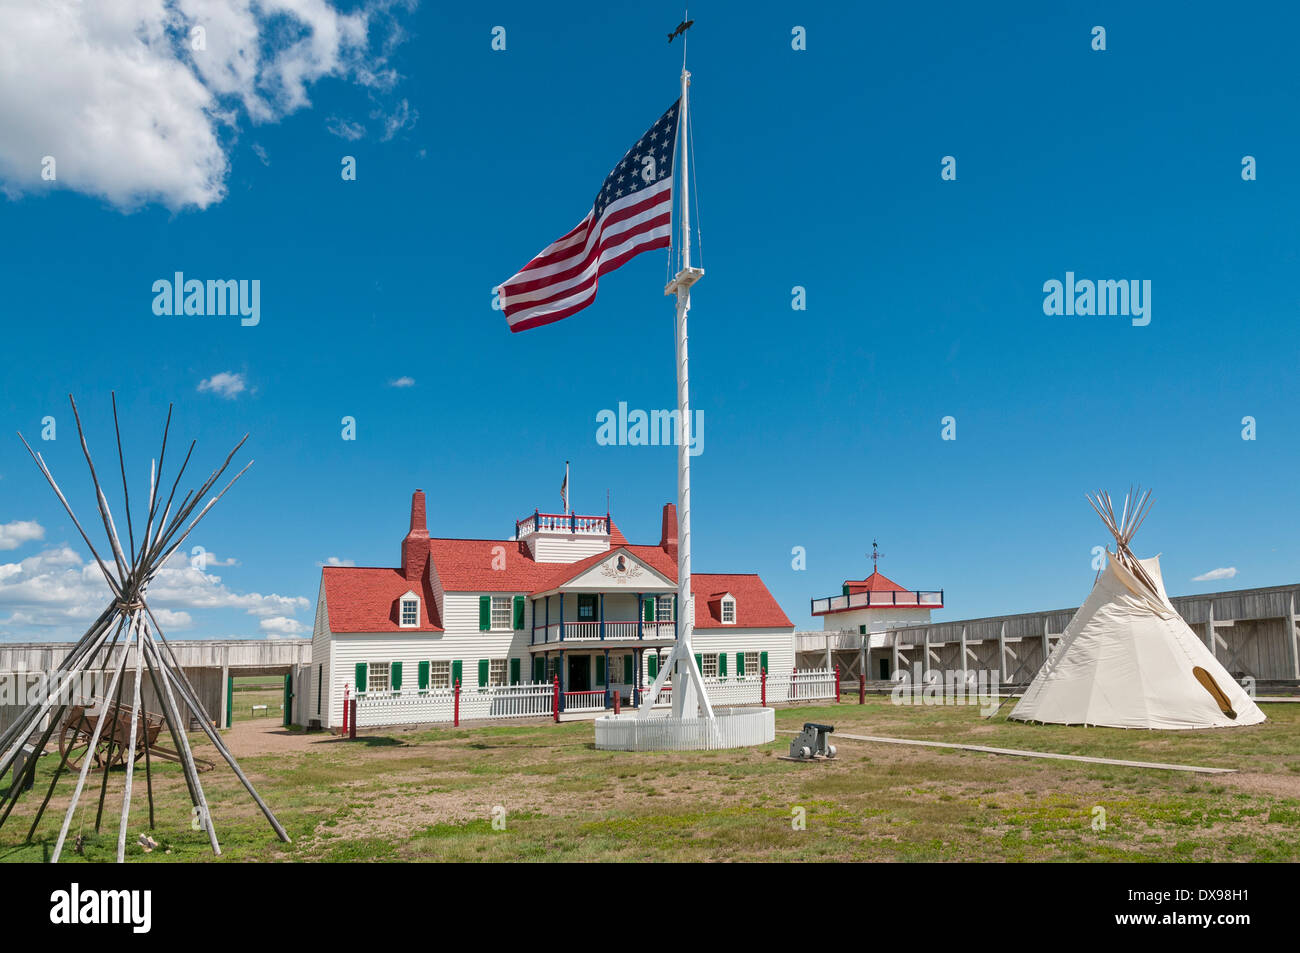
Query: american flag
x=632, y=213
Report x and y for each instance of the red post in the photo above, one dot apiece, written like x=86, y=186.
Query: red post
x=455, y=715
x=763, y=687
x=862, y=688
x=352, y=725
x=618, y=697
x=345, y=709
x=555, y=704
x=837, y=684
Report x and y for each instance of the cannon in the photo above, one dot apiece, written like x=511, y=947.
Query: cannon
x=813, y=742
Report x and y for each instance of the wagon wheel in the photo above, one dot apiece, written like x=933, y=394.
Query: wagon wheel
x=110, y=752
x=74, y=740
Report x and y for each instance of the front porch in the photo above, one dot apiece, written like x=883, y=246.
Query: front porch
x=617, y=617
x=590, y=680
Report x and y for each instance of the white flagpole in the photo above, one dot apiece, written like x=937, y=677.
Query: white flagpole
x=688, y=685
x=568, y=490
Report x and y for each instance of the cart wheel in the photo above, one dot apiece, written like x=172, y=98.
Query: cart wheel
x=805, y=752
x=830, y=751
x=73, y=743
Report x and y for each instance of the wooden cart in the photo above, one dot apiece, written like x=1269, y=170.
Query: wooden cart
x=115, y=737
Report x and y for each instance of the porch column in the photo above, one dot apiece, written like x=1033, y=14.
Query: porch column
x=546, y=636
x=640, y=616
x=636, y=678
x=564, y=670
x=602, y=629
x=608, y=676
x=676, y=614
x=561, y=617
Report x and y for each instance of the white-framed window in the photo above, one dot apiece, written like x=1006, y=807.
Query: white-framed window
x=728, y=610
x=752, y=664
x=496, y=671
x=502, y=614
x=410, y=611
x=440, y=674
x=377, y=677
x=709, y=665
x=664, y=609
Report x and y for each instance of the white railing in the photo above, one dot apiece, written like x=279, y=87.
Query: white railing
x=413, y=706
x=874, y=600
x=621, y=630
x=584, y=701
x=569, y=523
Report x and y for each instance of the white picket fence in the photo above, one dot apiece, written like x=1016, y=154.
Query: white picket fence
x=537, y=699
x=414, y=707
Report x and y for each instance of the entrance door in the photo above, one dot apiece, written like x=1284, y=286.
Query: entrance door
x=579, y=673
x=884, y=669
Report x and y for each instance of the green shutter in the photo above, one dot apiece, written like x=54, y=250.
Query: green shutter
x=395, y=671
x=484, y=613
x=519, y=613
x=762, y=661
x=456, y=670
x=361, y=677
x=653, y=662
x=862, y=630
x=722, y=665
x=422, y=676
x=648, y=610
x=740, y=663
x=482, y=673
x=628, y=675
x=600, y=670
x=846, y=589
x=514, y=671
x=699, y=662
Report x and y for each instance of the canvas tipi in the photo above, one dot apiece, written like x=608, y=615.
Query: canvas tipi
x=1127, y=658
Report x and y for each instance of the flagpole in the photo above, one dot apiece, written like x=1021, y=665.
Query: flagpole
x=689, y=680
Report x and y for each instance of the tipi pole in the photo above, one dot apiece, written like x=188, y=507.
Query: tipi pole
x=85, y=767
x=29, y=769
x=117, y=721
x=130, y=751
x=182, y=685
x=171, y=726
x=172, y=714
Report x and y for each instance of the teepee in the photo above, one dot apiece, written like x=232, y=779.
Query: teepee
x=1127, y=658
x=126, y=629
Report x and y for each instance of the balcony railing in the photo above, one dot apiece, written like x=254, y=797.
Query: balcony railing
x=568, y=523
x=920, y=598
x=620, y=630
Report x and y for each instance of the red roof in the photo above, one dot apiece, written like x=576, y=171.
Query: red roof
x=365, y=600
x=755, y=606
x=874, y=583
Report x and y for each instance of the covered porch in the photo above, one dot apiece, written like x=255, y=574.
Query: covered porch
x=592, y=678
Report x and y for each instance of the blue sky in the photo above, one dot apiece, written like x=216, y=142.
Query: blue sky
x=818, y=168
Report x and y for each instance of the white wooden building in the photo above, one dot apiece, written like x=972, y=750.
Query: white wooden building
x=567, y=597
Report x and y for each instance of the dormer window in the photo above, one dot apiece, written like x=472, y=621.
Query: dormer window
x=409, y=609
x=728, y=610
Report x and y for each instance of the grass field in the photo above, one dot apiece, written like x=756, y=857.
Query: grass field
x=430, y=795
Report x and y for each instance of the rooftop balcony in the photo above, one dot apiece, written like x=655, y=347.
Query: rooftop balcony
x=920, y=598
x=568, y=524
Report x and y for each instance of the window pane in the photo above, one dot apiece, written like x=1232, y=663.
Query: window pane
x=664, y=609
x=377, y=677
x=410, y=612
x=710, y=666
x=502, y=617
x=440, y=674
x=497, y=671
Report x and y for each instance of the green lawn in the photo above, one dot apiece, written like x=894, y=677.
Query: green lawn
x=431, y=795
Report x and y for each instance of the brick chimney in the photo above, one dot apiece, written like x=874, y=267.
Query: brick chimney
x=415, y=547
x=668, y=534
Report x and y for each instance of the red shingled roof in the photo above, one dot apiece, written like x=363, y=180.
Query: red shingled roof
x=755, y=607
x=365, y=600
x=874, y=583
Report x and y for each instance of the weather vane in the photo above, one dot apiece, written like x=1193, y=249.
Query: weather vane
x=875, y=555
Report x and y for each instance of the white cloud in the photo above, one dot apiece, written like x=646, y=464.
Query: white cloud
x=259, y=150
x=345, y=128
x=133, y=113
x=13, y=535
x=278, y=627
x=402, y=382
x=57, y=592
x=1215, y=574
x=226, y=384
x=335, y=561
x=400, y=117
